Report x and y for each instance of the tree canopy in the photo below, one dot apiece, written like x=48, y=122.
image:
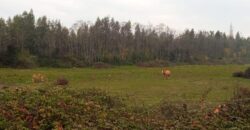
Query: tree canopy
x=26, y=41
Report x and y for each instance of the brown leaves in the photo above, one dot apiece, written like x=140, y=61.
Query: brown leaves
x=59, y=126
x=62, y=81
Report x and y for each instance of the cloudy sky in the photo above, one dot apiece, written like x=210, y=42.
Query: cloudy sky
x=177, y=14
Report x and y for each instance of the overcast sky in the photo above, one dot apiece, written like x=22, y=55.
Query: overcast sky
x=177, y=14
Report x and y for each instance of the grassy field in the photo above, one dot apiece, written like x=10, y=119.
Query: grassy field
x=142, y=86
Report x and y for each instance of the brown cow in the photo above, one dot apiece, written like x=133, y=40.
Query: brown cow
x=166, y=73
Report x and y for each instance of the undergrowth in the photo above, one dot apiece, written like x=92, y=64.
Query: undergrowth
x=59, y=108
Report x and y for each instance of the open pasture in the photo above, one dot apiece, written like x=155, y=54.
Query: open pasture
x=141, y=86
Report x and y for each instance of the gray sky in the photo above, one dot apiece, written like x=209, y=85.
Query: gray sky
x=177, y=14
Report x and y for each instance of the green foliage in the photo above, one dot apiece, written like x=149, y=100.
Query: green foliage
x=233, y=114
x=113, y=42
x=56, y=108
x=66, y=62
x=10, y=57
x=26, y=60
x=51, y=108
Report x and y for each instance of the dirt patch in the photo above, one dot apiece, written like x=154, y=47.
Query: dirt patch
x=2, y=86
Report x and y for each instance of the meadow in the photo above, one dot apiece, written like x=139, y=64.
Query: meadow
x=141, y=86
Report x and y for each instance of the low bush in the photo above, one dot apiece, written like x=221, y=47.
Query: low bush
x=245, y=74
x=238, y=74
x=26, y=60
x=66, y=62
x=56, y=108
x=234, y=114
x=62, y=81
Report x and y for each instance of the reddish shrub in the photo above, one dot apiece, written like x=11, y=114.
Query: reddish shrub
x=62, y=81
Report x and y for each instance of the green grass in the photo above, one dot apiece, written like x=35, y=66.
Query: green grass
x=143, y=85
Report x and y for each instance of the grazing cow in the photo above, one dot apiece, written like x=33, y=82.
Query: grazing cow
x=166, y=73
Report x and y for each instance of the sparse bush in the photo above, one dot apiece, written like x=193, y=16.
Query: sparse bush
x=173, y=111
x=233, y=114
x=62, y=81
x=245, y=74
x=237, y=111
x=242, y=93
x=56, y=108
x=238, y=74
x=66, y=62
x=74, y=61
x=26, y=60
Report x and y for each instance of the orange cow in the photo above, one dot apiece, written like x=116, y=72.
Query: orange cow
x=166, y=73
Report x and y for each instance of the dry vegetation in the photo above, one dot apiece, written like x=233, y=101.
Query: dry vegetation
x=52, y=107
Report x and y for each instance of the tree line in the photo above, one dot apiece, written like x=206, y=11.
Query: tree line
x=26, y=41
